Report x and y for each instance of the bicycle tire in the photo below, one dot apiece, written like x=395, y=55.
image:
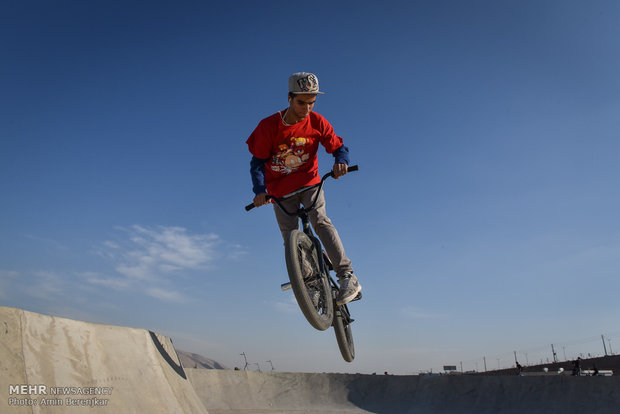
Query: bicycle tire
x=306, y=278
x=344, y=334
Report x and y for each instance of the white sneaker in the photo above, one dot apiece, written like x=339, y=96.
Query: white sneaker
x=349, y=289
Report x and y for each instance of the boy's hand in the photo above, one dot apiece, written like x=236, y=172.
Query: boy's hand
x=260, y=199
x=340, y=170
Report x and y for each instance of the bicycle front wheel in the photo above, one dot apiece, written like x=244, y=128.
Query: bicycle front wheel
x=344, y=335
x=310, y=285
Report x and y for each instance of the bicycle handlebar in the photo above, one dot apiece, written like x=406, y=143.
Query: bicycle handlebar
x=329, y=174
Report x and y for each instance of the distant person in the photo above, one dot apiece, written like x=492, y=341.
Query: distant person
x=284, y=158
x=519, y=369
x=577, y=366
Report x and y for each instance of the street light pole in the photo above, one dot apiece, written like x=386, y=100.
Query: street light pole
x=246, y=361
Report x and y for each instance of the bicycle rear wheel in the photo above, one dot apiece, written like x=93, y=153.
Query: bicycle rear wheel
x=344, y=335
x=310, y=285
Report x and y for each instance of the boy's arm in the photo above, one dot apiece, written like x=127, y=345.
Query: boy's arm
x=342, y=155
x=341, y=162
x=257, y=171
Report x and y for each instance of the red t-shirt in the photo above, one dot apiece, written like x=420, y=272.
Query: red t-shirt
x=290, y=151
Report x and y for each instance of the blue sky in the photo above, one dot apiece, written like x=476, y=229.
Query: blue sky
x=483, y=219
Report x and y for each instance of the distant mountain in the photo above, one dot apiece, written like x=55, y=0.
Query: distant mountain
x=191, y=360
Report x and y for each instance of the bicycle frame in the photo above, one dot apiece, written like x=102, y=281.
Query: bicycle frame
x=342, y=319
x=302, y=213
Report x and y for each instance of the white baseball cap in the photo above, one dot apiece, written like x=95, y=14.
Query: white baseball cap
x=303, y=83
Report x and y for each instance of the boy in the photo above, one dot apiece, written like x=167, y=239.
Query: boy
x=284, y=158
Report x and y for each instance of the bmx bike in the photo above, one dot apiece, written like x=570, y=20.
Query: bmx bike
x=309, y=273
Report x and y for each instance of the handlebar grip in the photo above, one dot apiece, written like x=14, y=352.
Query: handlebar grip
x=349, y=169
x=251, y=206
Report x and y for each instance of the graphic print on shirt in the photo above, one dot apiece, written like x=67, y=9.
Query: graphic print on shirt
x=290, y=156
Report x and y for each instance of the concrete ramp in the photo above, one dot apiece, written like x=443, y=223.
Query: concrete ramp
x=57, y=365
x=239, y=392
x=249, y=392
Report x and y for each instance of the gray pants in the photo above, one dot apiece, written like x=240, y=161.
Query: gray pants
x=322, y=225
